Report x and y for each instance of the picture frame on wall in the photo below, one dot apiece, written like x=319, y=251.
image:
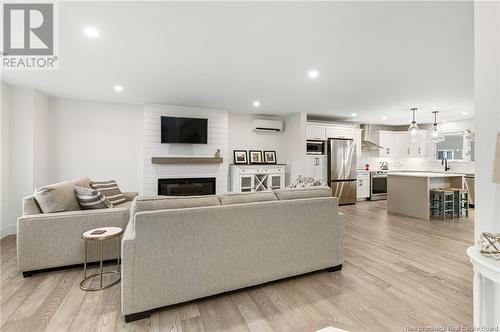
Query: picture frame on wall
x=270, y=157
x=240, y=157
x=255, y=157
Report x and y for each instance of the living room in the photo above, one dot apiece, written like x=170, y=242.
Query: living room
x=173, y=166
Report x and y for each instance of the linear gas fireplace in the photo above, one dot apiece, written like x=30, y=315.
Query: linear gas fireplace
x=186, y=186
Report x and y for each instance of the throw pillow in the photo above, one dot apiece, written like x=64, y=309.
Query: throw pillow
x=110, y=190
x=306, y=181
x=58, y=197
x=91, y=198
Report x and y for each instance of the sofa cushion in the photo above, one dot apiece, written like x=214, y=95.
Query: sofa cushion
x=82, y=182
x=30, y=206
x=110, y=190
x=298, y=193
x=151, y=203
x=57, y=197
x=241, y=198
x=90, y=199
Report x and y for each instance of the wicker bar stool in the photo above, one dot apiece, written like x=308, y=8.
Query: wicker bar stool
x=442, y=203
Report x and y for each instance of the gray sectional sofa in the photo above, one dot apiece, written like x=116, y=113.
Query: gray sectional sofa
x=53, y=240
x=177, y=249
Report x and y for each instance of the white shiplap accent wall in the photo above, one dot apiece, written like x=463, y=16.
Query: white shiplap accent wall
x=217, y=139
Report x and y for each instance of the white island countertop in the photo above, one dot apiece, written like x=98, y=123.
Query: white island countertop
x=425, y=174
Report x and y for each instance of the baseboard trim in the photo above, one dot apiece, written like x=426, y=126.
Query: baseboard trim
x=8, y=230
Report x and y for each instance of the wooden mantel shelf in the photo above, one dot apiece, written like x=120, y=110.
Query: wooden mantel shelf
x=186, y=160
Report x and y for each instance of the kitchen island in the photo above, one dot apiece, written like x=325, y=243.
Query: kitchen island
x=408, y=193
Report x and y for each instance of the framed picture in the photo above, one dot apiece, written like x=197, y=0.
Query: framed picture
x=240, y=157
x=255, y=157
x=270, y=157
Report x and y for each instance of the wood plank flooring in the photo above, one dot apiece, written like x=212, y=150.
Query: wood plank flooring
x=398, y=272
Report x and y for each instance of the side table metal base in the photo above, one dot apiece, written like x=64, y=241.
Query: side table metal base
x=99, y=275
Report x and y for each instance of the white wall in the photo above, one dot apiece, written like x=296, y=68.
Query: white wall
x=99, y=140
x=6, y=226
x=217, y=139
x=294, y=145
x=487, y=98
x=241, y=136
x=25, y=111
x=40, y=139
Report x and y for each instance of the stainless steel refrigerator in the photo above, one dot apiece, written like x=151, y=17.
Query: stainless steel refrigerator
x=342, y=169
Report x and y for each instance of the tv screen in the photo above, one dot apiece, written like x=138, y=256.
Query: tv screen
x=183, y=130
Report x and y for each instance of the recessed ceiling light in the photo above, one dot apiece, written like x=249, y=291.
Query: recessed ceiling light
x=464, y=113
x=313, y=73
x=118, y=88
x=256, y=103
x=91, y=32
x=384, y=118
x=354, y=115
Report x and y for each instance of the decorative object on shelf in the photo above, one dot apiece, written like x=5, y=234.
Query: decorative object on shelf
x=496, y=166
x=413, y=128
x=435, y=136
x=270, y=157
x=490, y=244
x=217, y=153
x=255, y=156
x=240, y=157
x=384, y=165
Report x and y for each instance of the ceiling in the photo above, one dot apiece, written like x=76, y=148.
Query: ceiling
x=375, y=59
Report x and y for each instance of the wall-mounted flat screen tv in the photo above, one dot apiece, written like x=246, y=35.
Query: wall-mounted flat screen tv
x=184, y=130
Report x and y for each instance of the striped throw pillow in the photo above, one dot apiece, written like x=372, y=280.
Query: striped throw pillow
x=110, y=190
x=91, y=198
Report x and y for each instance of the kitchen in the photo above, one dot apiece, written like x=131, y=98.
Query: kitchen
x=356, y=160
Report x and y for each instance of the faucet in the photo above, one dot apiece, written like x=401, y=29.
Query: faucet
x=445, y=163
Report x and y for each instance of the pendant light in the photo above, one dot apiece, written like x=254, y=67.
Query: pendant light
x=413, y=128
x=435, y=136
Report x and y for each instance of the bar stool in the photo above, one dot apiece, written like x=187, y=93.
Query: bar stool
x=461, y=201
x=442, y=202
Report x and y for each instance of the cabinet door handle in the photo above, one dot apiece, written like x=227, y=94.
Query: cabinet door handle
x=419, y=150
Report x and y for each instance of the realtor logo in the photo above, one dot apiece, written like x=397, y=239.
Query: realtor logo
x=29, y=36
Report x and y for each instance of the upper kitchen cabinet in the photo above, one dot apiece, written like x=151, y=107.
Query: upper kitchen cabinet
x=400, y=144
x=394, y=143
x=340, y=132
x=323, y=132
x=357, y=140
x=316, y=132
x=419, y=144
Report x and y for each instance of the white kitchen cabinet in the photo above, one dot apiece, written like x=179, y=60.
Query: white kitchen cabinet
x=317, y=167
x=394, y=143
x=316, y=132
x=339, y=132
x=419, y=145
x=363, y=187
x=250, y=178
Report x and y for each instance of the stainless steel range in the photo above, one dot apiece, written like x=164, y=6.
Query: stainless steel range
x=378, y=185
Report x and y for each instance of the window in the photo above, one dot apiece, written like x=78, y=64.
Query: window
x=452, y=148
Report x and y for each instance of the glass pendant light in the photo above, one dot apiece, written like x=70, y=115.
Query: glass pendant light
x=413, y=128
x=435, y=136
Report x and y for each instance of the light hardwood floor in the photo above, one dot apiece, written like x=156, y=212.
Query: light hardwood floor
x=398, y=272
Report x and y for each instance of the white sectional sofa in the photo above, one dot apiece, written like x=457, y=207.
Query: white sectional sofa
x=53, y=240
x=177, y=249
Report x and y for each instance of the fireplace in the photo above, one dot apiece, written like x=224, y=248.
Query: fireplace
x=186, y=186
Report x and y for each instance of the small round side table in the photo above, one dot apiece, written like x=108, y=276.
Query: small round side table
x=109, y=233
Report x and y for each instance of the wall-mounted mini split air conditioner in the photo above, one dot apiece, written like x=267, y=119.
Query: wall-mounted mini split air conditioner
x=267, y=126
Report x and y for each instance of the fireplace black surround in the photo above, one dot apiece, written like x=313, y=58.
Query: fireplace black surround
x=186, y=186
